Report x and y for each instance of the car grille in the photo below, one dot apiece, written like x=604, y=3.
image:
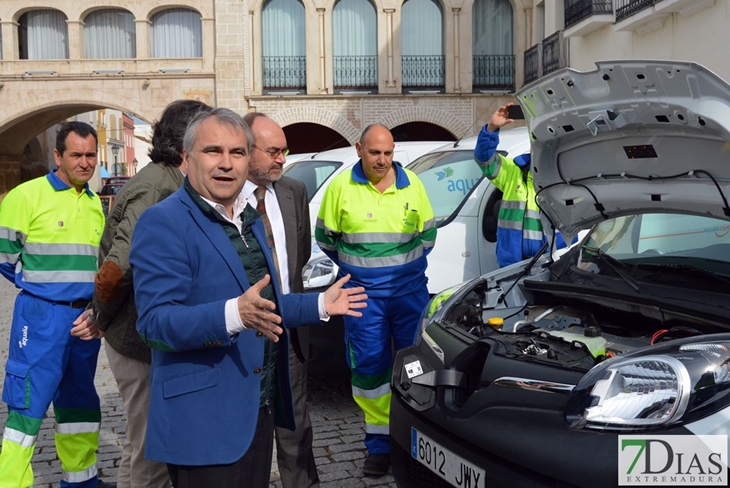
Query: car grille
x=422, y=477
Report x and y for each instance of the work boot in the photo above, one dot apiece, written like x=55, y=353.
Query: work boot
x=376, y=465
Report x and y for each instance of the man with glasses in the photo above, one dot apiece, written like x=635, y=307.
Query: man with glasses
x=285, y=205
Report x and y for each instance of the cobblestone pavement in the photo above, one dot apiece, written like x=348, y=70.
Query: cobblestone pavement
x=338, y=425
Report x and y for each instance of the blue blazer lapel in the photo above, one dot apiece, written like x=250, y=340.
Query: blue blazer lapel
x=214, y=232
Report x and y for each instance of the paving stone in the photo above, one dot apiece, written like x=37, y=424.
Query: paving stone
x=338, y=424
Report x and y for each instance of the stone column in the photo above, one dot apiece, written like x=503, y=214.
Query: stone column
x=142, y=38
x=390, y=81
x=456, y=58
x=9, y=30
x=75, y=30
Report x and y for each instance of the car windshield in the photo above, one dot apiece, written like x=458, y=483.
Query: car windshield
x=312, y=173
x=663, y=238
x=448, y=177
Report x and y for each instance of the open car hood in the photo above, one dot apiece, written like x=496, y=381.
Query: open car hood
x=630, y=137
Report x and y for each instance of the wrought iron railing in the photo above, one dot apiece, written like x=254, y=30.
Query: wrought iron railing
x=577, y=10
x=356, y=72
x=554, y=56
x=532, y=63
x=494, y=72
x=423, y=72
x=285, y=73
x=627, y=8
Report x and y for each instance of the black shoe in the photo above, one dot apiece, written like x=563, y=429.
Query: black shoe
x=376, y=464
x=105, y=484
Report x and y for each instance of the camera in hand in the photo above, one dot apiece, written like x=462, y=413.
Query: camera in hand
x=515, y=112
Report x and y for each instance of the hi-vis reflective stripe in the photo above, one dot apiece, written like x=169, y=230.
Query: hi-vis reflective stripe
x=9, y=258
x=77, y=428
x=58, y=276
x=532, y=234
x=376, y=393
x=381, y=262
x=512, y=204
x=379, y=237
x=80, y=476
x=61, y=249
x=377, y=429
x=12, y=234
x=19, y=437
x=532, y=214
x=510, y=224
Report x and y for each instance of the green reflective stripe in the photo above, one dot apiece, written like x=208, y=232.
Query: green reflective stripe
x=377, y=238
x=80, y=476
x=62, y=249
x=69, y=415
x=367, y=381
x=428, y=237
x=19, y=437
x=371, y=394
x=22, y=423
x=40, y=262
x=533, y=224
x=157, y=344
x=512, y=204
x=492, y=166
x=324, y=237
x=13, y=235
x=532, y=214
x=77, y=428
x=380, y=262
x=58, y=276
x=379, y=248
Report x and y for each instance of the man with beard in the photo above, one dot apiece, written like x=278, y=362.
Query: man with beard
x=284, y=207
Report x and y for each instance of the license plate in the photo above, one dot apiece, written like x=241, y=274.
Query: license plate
x=453, y=469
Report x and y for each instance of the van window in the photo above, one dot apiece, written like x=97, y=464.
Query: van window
x=448, y=178
x=312, y=173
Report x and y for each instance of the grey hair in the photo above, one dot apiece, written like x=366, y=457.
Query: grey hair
x=223, y=116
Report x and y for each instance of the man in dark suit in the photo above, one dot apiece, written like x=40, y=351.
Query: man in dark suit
x=215, y=319
x=287, y=209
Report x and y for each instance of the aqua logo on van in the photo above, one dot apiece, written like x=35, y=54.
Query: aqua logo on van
x=463, y=185
x=445, y=173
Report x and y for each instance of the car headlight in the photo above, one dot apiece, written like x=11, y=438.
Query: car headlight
x=654, y=387
x=319, y=272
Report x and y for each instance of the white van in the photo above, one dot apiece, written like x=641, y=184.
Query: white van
x=316, y=171
x=466, y=205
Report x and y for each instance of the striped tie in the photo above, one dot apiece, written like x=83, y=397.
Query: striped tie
x=260, y=194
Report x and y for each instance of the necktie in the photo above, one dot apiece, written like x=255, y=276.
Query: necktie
x=260, y=194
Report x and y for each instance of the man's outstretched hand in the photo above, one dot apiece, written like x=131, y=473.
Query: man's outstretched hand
x=344, y=301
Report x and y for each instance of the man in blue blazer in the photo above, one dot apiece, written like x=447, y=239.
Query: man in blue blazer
x=214, y=318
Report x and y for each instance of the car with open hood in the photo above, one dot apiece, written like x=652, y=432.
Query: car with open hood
x=611, y=365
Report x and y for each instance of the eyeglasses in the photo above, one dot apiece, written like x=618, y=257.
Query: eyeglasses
x=274, y=152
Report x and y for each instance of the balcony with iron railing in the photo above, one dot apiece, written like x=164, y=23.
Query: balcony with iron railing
x=356, y=73
x=585, y=16
x=423, y=72
x=494, y=72
x=545, y=57
x=285, y=73
x=532, y=63
x=627, y=8
x=554, y=55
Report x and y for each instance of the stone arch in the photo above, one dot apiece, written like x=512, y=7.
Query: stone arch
x=426, y=114
x=94, y=8
x=162, y=5
x=320, y=116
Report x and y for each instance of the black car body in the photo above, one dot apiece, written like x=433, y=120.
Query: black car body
x=610, y=365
